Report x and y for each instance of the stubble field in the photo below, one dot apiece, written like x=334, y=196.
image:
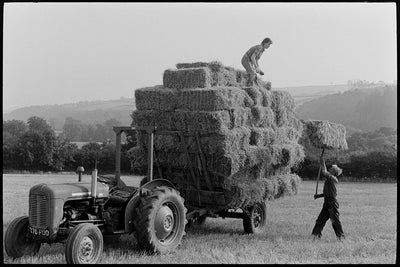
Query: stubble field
x=368, y=213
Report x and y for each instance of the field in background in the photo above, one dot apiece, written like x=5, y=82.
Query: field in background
x=368, y=213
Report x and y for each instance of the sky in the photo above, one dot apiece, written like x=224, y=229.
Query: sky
x=57, y=53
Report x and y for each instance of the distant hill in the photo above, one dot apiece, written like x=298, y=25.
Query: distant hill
x=302, y=94
x=366, y=109
x=358, y=110
x=86, y=111
x=100, y=111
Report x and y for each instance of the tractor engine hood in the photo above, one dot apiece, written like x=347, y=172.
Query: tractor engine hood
x=70, y=191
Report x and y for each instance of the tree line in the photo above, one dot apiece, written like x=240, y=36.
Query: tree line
x=370, y=156
x=34, y=146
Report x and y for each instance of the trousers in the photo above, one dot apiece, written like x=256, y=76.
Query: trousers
x=250, y=68
x=330, y=210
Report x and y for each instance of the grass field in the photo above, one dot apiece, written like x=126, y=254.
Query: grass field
x=368, y=214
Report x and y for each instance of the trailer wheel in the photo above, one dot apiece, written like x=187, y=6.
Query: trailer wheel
x=16, y=242
x=84, y=244
x=160, y=220
x=255, y=218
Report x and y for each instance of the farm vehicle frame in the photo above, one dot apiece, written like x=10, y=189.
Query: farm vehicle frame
x=156, y=213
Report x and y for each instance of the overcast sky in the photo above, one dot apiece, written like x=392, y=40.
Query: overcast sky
x=56, y=53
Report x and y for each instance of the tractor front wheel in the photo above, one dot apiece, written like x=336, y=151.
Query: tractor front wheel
x=255, y=218
x=84, y=244
x=16, y=242
x=160, y=220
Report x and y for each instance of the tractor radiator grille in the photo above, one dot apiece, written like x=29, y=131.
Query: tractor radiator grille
x=38, y=211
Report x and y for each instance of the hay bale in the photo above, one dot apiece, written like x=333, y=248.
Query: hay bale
x=204, y=99
x=187, y=78
x=220, y=75
x=214, y=65
x=325, y=134
x=157, y=98
x=282, y=185
x=262, y=136
x=203, y=122
x=213, y=98
x=282, y=100
x=261, y=117
x=240, y=193
x=233, y=140
x=288, y=154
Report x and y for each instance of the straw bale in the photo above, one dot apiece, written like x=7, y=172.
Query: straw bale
x=282, y=100
x=233, y=140
x=242, y=192
x=157, y=98
x=262, y=136
x=326, y=134
x=193, y=121
x=214, y=65
x=287, y=154
x=255, y=94
x=220, y=75
x=214, y=98
x=187, y=78
x=282, y=185
x=204, y=99
x=261, y=117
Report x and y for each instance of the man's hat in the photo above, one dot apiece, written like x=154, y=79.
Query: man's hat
x=337, y=171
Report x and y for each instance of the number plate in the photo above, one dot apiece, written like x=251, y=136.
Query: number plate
x=39, y=232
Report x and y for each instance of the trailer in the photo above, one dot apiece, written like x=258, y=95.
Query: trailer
x=81, y=215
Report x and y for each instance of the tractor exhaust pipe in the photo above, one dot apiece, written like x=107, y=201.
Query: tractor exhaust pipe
x=94, y=181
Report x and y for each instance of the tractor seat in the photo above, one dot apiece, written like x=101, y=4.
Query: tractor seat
x=119, y=196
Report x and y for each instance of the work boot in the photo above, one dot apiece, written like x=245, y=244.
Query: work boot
x=341, y=238
x=316, y=237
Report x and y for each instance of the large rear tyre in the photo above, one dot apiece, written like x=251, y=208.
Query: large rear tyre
x=16, y=241
x=84, y=244
x=160, y=220
x=255, y=218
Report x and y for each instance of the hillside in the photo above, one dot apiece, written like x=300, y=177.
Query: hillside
x=85, y=111
x=100, y=111
x=365, y=109
x=361, y=109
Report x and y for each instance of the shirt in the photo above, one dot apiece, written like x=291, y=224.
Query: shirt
x=330, y=184
x=257, y=50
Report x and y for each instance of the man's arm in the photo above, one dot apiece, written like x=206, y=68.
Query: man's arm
x=325, y=172
x=318, y=195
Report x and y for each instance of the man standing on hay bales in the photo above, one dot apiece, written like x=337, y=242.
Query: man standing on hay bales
x=330, y=209
x=250, y=60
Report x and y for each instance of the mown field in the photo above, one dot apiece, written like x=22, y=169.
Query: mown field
x=368, y=214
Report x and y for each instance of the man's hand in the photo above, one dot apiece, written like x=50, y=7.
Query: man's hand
x=315, y=196
x=261, y=72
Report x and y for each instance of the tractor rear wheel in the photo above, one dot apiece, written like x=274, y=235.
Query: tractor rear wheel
x=255, y=218
x=160, y=220
x=16, y=242
x=84, y=244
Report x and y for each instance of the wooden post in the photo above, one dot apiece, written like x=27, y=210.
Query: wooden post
x=118, y=157
x=150, y=155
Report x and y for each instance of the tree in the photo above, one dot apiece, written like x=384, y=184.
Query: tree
x=12, y=131
x=72, y=129
x=37, y=145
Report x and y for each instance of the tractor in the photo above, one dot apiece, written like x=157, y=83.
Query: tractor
x=81, y=215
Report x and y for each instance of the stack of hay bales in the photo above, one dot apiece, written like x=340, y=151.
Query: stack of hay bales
x=242, y=141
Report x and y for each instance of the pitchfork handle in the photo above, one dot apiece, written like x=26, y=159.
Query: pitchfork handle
x=319, y=172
